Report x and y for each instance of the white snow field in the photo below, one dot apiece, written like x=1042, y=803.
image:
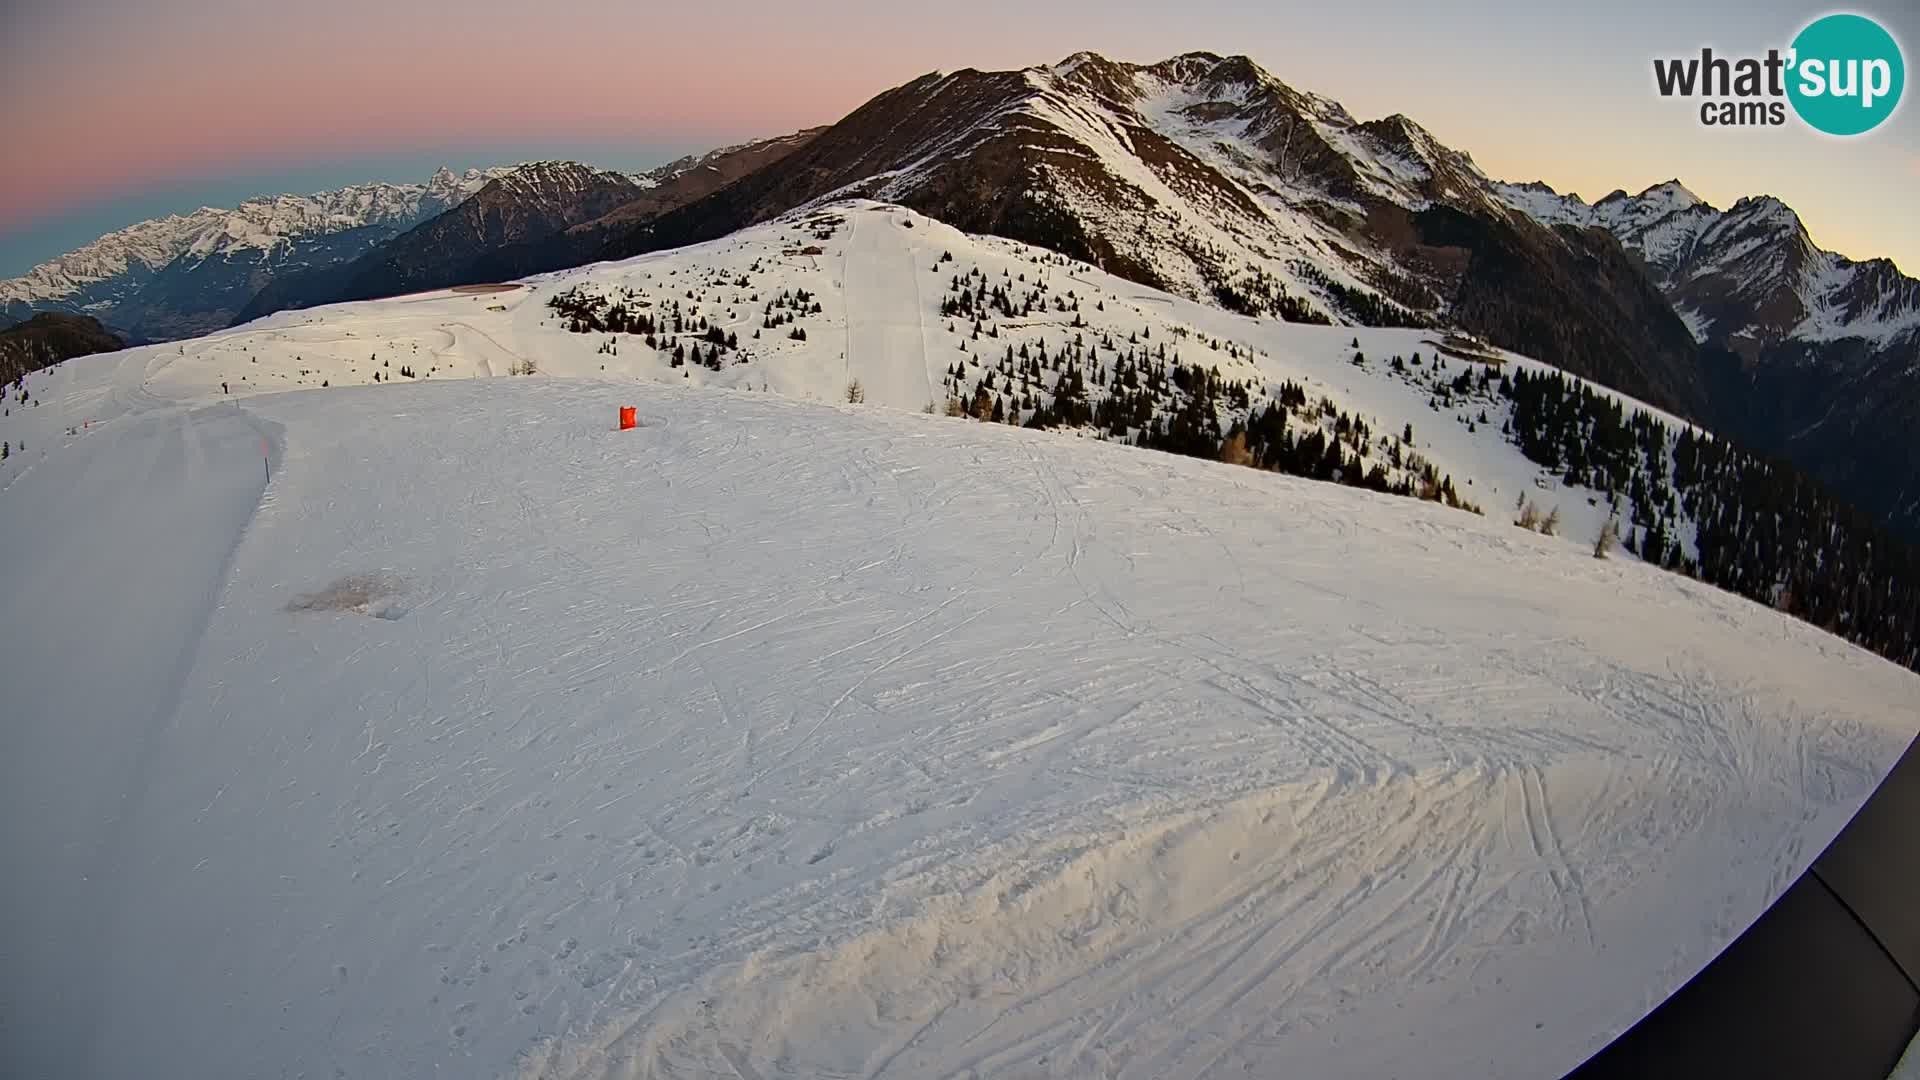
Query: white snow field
x=786, y=738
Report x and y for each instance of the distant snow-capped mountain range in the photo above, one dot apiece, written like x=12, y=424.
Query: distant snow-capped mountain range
x=537, y=216
x=261, y=225
x=184, y=274
x=1749, y=275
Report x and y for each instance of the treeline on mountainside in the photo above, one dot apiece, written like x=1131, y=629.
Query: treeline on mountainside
x=1764, y=530
x=1150, y=400
x=1844, y=411
x=1582, y=306
x=1138, y=391
x=48, y=338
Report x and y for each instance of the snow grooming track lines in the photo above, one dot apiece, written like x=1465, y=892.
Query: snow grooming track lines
x=769, y=697
x=1248, y=922
x=645, y=784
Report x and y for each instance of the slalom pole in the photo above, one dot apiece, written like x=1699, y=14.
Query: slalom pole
x=265, y=461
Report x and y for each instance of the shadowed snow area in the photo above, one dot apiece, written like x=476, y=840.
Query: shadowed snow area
x=788, y=739
x=1909, y=1067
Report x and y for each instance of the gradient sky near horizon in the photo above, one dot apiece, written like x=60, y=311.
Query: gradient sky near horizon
x=120, y=110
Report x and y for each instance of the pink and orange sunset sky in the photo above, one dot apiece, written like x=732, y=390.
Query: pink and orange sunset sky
x=123, y=109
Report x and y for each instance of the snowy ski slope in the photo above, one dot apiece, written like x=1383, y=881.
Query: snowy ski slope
x=880, y=322
x=791, y=738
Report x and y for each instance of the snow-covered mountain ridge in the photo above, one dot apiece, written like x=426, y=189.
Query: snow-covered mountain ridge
x=1210, y=178
x=256, y=225
x=186, y=274
x=538, y=217
x=551, y=179
x=1284, y=173
x=1749, y=275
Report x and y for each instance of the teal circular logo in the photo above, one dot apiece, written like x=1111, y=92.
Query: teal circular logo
x=1846, y=74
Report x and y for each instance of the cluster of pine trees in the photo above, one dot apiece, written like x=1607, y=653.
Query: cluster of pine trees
x=1760, y=528
x=1259, y=294
x=969, y=297
x=1369, y=309
x=783, y=309
x=1140, y=392
x=1164, y=404
x=684, y=334
x=590, y=313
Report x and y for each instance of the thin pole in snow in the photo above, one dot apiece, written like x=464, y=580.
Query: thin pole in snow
x=265, y=461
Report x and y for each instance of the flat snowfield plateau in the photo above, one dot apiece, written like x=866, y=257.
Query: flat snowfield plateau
x=777, y=738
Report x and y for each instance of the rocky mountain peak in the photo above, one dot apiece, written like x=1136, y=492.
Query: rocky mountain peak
x=1673, y=193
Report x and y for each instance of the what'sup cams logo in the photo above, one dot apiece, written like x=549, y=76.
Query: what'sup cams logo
x=1842, y=75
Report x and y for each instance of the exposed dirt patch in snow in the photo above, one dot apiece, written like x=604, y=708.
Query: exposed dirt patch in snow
x=376, y=595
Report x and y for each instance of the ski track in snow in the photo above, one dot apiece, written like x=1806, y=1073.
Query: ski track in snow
x=120, y=546
x=797, y=740
x=782, y=739
x=886, y=339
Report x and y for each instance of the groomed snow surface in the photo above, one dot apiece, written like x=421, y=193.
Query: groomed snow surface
x=787, y=738
x=803, y=740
